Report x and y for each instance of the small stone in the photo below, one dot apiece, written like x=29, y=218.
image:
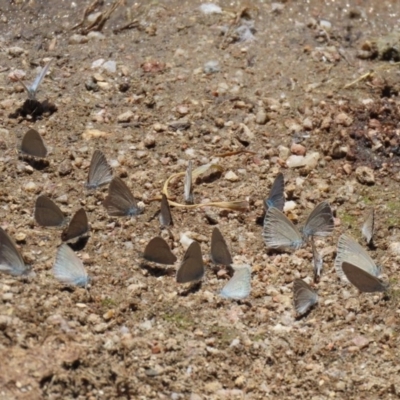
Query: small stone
x=231, y=176
x=8, y=296
x=100, y=328
x=180, y=124
x=15, y=51
x=20, y=236
x=78, y=39
x=109, y=315
x=65, y=168
x=212, y=387
x=298, y=149
x=284, y=152
x=149, y=141
x=93, y=133
x=347, y=168
x=97, y=63
x=261, y=117
x=182, y=110
x=240, y=380
x=30, y=187
x=344, y=119
x=103, y=85
x=307, y=124
x=394, y=248
x=338, y=150
x=365, y=175
x=211, y=67
x=93, y=17
x=341, y=386
x=110, y=66
x=96, y=35
x=125, y=117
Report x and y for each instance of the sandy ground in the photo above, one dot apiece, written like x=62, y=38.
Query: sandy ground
x=269, y=79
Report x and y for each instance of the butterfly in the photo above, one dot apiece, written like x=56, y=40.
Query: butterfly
x=239, y=286
x=33, y=144
x=100, y=171
x=78, y=226
x=192, y=267
x=47, y=213
x=320, y=221
x=31, y=90
x=304, y=297
x=158, y=251
x=165, y=216
x=188, y=186
x=68, y=268
x=120, y=201
x=351, y=252
x=219, y=250
x=276, y=196
x=11, y=261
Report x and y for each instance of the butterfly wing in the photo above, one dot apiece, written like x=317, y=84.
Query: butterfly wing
x=304, y=297
x=38, y=80
x=279, y=232
x=188, y=185
x=320, y=221
x=362, y=280
x=158, y=251
x=120, y=201
x=33, y=144
x=11, y=261
x=47, y=213
x=78, y=226
x=276, y=196
x=192, y=267
x=165, y=212
x=100, y=171
x=219, y=250
x=68, y=268
x=239, y=286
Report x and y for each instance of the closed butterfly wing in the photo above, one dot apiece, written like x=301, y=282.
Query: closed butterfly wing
x=239, y=286
x=276, y=196
x=32, y=90
x=165, y=216
x=320, y=221
x=351, y=252
x=33, y=144
x=279, y=232
x=192, y=267
x=68, y=268
x=11, y=261
x=304, y=297
x=78, y=226
x=362, y=280
x=100, y=171
x=188, y=185
x=158, y=251
x=368, y=227
x=219, y=250
x=47, y=213
x=120, y=201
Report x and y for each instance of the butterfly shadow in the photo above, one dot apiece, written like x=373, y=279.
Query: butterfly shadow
x=193, y=288
x=35, y=109
x=260, y=219
x=36, y=163
x=157, y=271
x=79, y=244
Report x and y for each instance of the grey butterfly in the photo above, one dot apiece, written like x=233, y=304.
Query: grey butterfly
x=11, y=261
x=239, y=286
x=120, y=201
x=188, y=185
x=219, y=250
x=100, y=171
x=303, y=296
x=351, y=252
x=47, y=213
x=279, y=231
x=78, y=226
x=318, y=261
x=31, y=90
x=192, y=267
x=362, y=280
x=68, y=268
x=165, y=216
x=276, y=196
x=33, y=144
x=320, y=221
x=368, y=227
x=158, y=251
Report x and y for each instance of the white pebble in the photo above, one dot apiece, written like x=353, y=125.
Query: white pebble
x=231, y=176
x=30, y=187
x=110, y=66
x=210, y=8
x=98, y=63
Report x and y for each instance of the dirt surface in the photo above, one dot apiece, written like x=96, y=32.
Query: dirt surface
x=276, y=86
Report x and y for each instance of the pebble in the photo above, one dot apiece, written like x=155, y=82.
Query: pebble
x=344, y=119
x=15, y=51
x=110, y=66
x=298, y=149
x=231, y=176
x=100, y=328
x=180, y=124
x=96, y=35
x=365, y=175
x=284, y=152
x=261, y=117
x=149, y=141
x=307, y=124
x=20, y=236
x=126, y=116
x=97, y=63
x=210, y=8
x=93, y=133
x=65, y=168
x=394, y=248
x=211, y=67
x=30, y=187
x=78, y=39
